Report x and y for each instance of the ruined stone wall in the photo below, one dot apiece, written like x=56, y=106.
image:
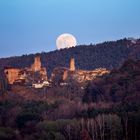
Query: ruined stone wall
x=65, y=75
x=83, y=75
x=43, y=71
x=12, y=74
x=72, y=64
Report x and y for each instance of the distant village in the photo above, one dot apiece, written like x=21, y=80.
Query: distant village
x=36, y=75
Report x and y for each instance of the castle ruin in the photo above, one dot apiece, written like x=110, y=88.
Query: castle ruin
x=35, y=73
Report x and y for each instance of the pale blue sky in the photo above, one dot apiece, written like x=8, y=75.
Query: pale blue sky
x=31, y=26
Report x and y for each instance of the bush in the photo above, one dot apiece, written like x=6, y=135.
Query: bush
x=7, y=134
x=48, y=126
x=59, y=130
x=36, y=106
x=23, y=118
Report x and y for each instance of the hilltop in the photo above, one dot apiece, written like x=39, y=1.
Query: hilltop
x=100, y=92
x=107, y=55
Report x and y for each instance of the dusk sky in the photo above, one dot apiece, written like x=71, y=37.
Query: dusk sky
x=31, y=26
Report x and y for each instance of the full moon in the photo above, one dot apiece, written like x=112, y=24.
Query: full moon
x=66, y=41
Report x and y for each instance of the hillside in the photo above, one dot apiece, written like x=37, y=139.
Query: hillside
x=109, y=106
x=120, y=85
x=88, y=57
x=100, y=86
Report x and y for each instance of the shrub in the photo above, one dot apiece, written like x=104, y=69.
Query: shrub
x=7, y=134
x=25, y=117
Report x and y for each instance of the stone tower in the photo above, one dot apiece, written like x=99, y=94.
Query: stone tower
x=65, y=75
x=72, y=64
x=37, y=64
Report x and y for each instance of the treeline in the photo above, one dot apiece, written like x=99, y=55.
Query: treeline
x=88, y=57
x=29, y=120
